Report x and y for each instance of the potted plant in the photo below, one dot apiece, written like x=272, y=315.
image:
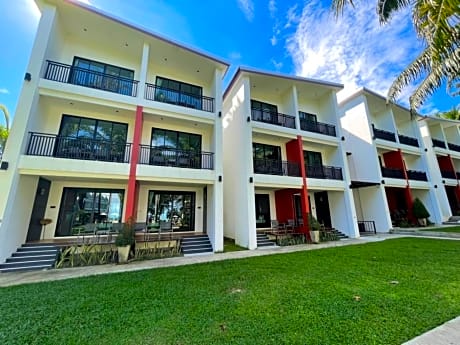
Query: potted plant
x=420, y=212
x=125, y=239
x=315, y=226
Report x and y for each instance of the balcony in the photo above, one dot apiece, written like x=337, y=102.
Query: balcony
x=324, y=172
x=439, y=143
x=385, y=135
x=274, y=118
x=453, y=147
x=449, y=174
x=165, y=95
x=276, y=167
x=458, y=175
x=317, y=127
x=50, y=145
x=408, y=140
x=169, y=157
x=416, y=175
x=74, y=75
x=393, y=173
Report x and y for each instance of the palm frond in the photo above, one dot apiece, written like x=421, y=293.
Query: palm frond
x=339, y=5
x=385, y=8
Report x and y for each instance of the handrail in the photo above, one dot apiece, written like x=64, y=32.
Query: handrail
x=272, y=117
x=170, y=157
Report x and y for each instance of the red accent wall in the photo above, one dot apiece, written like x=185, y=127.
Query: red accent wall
x=284, y=199
x=445, y=163
x=410, y=204
x=394, y=160
x=133, y=186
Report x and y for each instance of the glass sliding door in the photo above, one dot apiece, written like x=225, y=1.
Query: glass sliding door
x=82, y=208
x=171, y=206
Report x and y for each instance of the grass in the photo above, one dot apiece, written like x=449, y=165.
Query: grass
x=377, y=293
x=444, y=229
x=230, y=246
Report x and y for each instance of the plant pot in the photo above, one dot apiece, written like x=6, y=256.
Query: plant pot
x=123, y=254
x=422, y=221
x=314, y=236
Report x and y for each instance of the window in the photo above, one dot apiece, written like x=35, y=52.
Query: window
x=307, y=117
x=91, y=139
x=313, y=158
x=176, y=140
x=264, y=112
x=102, y=76
x=84, y=210
x=176, y=92
x=267, y=159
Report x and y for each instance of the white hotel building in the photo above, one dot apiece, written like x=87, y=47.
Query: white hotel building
x=114, y=122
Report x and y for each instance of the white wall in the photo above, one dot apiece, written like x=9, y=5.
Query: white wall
x=371, y=205
x=239, y=211
x=428, y=199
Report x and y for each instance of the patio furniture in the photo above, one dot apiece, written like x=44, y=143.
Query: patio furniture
x=289, y=226
x=276, y=227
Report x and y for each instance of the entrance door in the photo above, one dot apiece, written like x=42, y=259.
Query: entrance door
x=452, y=197
x=172, y=206
x=298, y=208
x=323, y=214
x=38, y=210
x=262, y=211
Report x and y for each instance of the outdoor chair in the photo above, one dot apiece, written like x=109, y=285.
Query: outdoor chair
x=276, y=226
x=290, y=225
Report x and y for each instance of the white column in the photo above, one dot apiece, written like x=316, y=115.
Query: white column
x=143, y=72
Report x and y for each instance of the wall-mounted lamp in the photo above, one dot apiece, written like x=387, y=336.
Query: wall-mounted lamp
x=342, y=138
x=435, y=186
x=348, y=153
x=27, y=77
x=383, y=181
x=4, y=166
x=426, y=150
x=251, y=180
x=248, y=119
x=220, y=114
x=444, y=181
x=220, y=178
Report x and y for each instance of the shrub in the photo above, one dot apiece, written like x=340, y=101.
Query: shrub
x=419, y=209
x=126, y=234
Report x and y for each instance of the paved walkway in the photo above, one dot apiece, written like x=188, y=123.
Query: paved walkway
x=447, y=334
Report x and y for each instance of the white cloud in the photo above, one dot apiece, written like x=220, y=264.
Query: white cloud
x=247, y=6
x=235, y=56
x=274, y=40
x=354, y=50
x=291, y=16
x=276, y=64
x=272, y=8
x=4, y=91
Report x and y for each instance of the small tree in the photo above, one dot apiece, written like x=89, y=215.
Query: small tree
x=127, y=233
x=3, y=136
x=419, y=210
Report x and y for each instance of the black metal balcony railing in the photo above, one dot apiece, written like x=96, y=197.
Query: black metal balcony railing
x=273, y=118
x=403, y=139
x=454, y=147
x=317, y=127
x=164, y=95
x=366, y=226
x=169, y=157
x=382, y=134
x=51, y=145
x=393, y=173
x=439, y=143
x=276, y=167
x=78, y=76
x=416, y=175
x=448, y=174
x=324, y=172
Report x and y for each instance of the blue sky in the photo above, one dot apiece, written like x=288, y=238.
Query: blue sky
x=289, y=36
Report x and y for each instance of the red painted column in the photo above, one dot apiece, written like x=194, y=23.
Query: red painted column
x=294, y=151
x=132, y=183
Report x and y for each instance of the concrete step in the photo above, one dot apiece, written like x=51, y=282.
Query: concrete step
x=31, y=258
x=23, y=268
x=47, y=263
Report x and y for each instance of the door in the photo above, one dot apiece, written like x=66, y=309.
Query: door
x=298, y=208
x=38, y=210
x=452, y=198
x=323, y=214
x=262, y=211
x=205, y=209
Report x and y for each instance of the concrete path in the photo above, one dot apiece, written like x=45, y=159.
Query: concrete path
x=446, y=334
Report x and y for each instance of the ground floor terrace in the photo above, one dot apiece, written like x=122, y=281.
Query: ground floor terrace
x=93, y=210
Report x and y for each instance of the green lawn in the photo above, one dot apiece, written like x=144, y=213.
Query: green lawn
x=377, y=293
x=230, y=246
x=444, y=229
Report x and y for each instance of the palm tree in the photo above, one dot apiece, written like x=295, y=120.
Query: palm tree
x=6, y=113
x=453, y=114
x=437, y=24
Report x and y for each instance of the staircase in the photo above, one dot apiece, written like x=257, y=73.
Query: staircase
x=31, y=257
x=264, y=241
x=340, y=235
x=454, y=220
x=196, y=245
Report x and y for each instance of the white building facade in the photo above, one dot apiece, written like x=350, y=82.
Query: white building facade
x=112, y=122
